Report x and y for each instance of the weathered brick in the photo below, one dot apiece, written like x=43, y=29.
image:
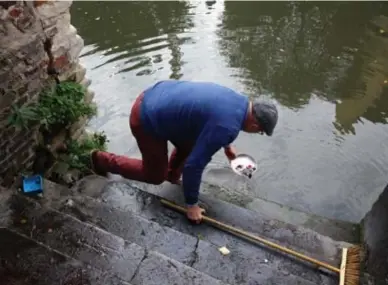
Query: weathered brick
x=15, y=81
x=11, y=132
x=18, y=147
x=19, y=66
x=23, y=136
x=5, y=161
x=50, y=32
x=23, y=72
x=7, y=99
x=4, y=114
x=38, y=3
x=22, y=89
x=7, y=4
x=23, y=18
x=9, y=174
x=5, y=62
x=15, y=12
x=3, y=144
x=20, y=158
x=61, y=62
x=21, y=100
x=4, y=134
x=4, y=76
x=34, y=47
x=30, y=69
x=35, y=84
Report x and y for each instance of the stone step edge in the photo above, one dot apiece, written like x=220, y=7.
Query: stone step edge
x=336, y=229
x=223, y=210
x=308, y=268
x=105, y=233
x=58, y=252
x=96, y=183
x=282, y=272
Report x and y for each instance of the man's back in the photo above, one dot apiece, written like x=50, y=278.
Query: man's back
x=180, y=110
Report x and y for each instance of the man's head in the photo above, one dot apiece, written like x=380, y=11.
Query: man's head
x=262, y=117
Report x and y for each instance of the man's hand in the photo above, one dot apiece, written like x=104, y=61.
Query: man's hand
x=194, y=213
x=230, y=152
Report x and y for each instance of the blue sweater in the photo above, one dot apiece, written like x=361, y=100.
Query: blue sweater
x=205, y=113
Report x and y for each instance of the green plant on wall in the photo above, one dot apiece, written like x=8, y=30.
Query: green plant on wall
x=59, y=106
x=23, y=117
x=63, y=105
x=78, y=152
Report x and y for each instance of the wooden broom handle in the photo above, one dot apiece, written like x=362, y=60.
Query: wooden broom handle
x=253, y=238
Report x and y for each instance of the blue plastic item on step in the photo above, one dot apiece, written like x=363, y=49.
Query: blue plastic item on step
x=33, y=184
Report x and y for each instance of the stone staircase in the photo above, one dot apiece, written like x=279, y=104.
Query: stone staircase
x=110, y=232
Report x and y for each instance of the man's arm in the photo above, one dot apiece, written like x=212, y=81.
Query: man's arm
x=209, y=142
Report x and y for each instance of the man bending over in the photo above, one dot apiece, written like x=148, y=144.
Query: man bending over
x=198, y=118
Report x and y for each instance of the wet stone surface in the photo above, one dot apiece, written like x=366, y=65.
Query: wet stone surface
x=80, y=241
x=115, y=228
x=94, y=248
x=25, y=262
x=156, y=270
x=181, y=245
x=124, y=196
x=138, y=217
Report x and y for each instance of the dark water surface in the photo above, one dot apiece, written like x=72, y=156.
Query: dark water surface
x=324, y=63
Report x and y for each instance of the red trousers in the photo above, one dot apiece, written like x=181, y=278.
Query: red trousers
x=154, y=168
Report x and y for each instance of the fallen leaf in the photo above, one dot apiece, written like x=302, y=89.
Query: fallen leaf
x=23, y=221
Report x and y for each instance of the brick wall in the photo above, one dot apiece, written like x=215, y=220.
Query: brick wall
x=24, y=26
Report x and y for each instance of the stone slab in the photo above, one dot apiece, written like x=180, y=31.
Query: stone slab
x=25, y=262
x=124, y=195
x=95, y=248
x=184, y=246
x=74, y=239
x=336, y=229
x=156, y=269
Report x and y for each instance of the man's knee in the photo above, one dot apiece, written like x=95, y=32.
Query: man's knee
x=157, y=178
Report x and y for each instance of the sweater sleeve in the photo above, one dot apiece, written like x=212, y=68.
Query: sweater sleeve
x=212, y=139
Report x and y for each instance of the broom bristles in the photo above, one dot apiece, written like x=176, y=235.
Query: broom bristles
x=353, y=264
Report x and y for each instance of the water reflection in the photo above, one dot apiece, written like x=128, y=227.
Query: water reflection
x=135, y=33
x=293, y=50
x=364, y=89
x=324, y=62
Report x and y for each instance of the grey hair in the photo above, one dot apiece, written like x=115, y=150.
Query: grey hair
x=266, y=114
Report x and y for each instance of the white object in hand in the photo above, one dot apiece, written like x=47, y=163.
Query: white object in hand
x=244, y=165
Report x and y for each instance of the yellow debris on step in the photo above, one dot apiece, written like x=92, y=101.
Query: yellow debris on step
x=224, y=250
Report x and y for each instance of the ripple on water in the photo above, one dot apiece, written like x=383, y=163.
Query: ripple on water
x=145, y=57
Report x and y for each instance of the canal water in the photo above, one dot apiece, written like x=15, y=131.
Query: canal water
x=325, y=65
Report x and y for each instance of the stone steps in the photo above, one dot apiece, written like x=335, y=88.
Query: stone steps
x=25, y=262
x=38, y=240
x=123, y=196
x=138, y=217
x=192, y=249
x=113, y=227
x=336, y=229
x=53, y=232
